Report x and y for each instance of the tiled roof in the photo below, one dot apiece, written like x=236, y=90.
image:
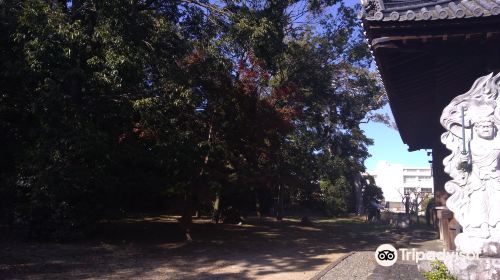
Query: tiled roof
x=375, y=10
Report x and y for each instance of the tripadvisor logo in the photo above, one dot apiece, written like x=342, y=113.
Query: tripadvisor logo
x=386, y=255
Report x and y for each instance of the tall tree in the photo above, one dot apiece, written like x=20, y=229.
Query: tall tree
x=115, y=106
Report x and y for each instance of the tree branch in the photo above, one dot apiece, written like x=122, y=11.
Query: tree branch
x=211, y=7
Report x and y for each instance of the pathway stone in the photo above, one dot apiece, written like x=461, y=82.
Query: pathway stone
x=399, y=271
x=361, y=265
x=357, y=266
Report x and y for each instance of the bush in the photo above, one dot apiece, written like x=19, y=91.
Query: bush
x=337, y=196
x=439, y=272
x=426, y=202
x=371, y=192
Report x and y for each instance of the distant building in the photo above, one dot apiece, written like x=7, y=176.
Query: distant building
x=397, y=180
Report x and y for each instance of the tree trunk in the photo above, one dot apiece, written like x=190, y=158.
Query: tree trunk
x=257, y=204
x=279, y=207
x=216, y=210
x=358, y=191
x=187, y=219
x=189, y=199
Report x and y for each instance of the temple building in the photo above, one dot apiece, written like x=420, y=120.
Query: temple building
x=428, y=52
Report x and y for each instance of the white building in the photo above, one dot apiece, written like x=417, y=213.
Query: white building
x=396, y=180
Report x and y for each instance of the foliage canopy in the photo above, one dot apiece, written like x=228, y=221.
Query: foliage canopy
x=109, y=107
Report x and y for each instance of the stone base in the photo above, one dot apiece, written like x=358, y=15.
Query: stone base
x=465, y=268
x=483, y=246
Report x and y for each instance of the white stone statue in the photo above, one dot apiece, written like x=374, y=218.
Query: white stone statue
x=472, y=121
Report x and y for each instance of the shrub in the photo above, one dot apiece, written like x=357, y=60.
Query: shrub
x=439, y=272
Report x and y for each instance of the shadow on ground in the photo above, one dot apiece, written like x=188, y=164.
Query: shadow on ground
x=152, y=248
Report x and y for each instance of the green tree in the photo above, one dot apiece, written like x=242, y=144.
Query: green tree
x=109, y=107
x=371, y=192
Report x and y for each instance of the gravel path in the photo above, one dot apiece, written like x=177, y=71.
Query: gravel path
x=357, y=266
x=362, y=266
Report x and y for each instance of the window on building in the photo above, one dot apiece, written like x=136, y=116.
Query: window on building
x=409, y=190
x=424, y=178
x=416, y=179
x=408, y=179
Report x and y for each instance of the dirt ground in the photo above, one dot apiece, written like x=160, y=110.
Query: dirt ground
x=153, y=248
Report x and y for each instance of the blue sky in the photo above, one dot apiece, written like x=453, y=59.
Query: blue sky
x=388, y=146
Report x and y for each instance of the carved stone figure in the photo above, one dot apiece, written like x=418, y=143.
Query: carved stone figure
x=472, y=121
